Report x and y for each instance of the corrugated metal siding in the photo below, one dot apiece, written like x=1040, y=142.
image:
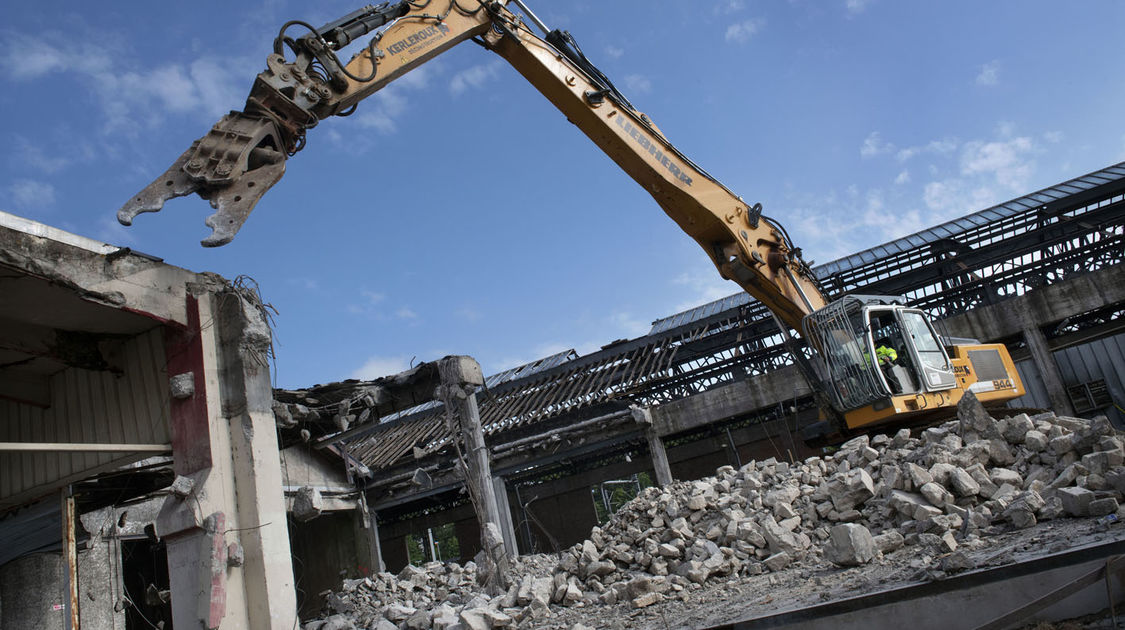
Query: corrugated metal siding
x=1103, y=359
x=88, y=406
x=1036, y=394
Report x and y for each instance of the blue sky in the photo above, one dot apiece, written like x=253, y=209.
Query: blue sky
x=459, y=213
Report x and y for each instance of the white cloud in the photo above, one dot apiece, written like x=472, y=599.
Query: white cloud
x=1007, y=161
x=127, y=95
x=1054, y=137
x=367, y=305
x=419, y=78
x=28, y=58
x=305, y=283
x=469, y=314
x=378, y=366
x=474, y=77
x=951, y=198
x=218, y=87
x=824, y=227
x=874, y=145
x=957, y=178
x=741, y=32
x=702, y=285
x=31, y=154
x=628, y=325
x=989, y=73
x=987, y=172
x=728, y=7
x=638, y=84
x=406, y=313
x=381, y=110
x=944, y=146
x=891, y=223
x=110, y=231
x=30, y=193
x=855, y=7
x=542, y=351
x=613, y=52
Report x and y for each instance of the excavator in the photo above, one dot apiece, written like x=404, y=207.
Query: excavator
x=855, y=384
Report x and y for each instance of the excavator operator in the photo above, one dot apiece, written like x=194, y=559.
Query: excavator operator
x=886, y=356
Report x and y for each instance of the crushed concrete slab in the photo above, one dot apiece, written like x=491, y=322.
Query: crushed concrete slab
x=889, y=506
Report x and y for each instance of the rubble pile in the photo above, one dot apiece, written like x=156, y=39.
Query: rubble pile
x=948, y=486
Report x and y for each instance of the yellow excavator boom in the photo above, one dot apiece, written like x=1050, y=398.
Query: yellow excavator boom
x=304, y=82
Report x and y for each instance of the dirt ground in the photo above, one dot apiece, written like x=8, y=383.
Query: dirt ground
x=816, y=581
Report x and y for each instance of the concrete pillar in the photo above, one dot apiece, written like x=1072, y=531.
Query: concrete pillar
x=660, y=465
x=374, y=545
x=225, y=523
x=366, y=532
x=477, y=456
x=1048, y=369
x=460, y=376
x=507, y=526
x=70, y=565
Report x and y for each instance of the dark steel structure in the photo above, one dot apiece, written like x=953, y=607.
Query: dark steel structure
x=981, y=259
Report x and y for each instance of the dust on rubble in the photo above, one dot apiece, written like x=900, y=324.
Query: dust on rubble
x=880, y=511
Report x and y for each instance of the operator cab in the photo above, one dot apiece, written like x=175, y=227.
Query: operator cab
x=875, y=348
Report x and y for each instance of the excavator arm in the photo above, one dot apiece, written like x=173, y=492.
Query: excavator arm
x=245, y=153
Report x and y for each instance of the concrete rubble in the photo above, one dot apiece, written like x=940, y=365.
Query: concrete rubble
x=939, y=490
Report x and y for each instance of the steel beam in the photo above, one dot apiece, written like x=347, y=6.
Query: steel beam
x=83, y=447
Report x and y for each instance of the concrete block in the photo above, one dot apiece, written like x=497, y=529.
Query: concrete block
x=1102, y=507
x=778, y=561
x=963, y=483
x=936, y=494
x=307, y=504
x=851, y=489
x=918, y=476
x=1035, y=441
x=1015, y=429
x=850, y=545
x=1001, y=476
x=1075, y=501
x=888, y=541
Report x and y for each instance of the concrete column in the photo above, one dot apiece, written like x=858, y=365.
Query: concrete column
x=366, y=540
x=1048, y=369
x=378, y=565
x=476, y=453
x=643, y=417
x=507, y=526
x=225, y=523
x=70, y=556
x=459, y=378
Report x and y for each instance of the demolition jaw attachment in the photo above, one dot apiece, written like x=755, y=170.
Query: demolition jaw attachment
x=232, y=167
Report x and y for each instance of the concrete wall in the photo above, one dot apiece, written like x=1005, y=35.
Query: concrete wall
x=302, y=466
x=1053, y=303
x=32, y=592
x=729, y=401
x=326, y=550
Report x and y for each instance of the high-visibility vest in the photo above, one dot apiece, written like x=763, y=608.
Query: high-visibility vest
x=883, y=352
